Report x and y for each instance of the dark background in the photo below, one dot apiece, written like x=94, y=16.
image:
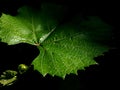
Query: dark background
x=104, y=76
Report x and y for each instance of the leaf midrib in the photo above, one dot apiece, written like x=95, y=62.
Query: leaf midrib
x=34, y=31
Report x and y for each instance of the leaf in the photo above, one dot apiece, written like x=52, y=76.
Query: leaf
x=64, y=49
x=30, y=24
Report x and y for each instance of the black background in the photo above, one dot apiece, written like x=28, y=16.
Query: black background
x=104, y=76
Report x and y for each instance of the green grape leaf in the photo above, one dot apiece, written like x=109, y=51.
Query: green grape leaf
x=65, y=48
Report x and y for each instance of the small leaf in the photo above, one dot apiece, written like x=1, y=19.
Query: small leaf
x=64, y=49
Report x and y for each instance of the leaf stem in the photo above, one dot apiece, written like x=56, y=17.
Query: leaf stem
x=44, y=37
